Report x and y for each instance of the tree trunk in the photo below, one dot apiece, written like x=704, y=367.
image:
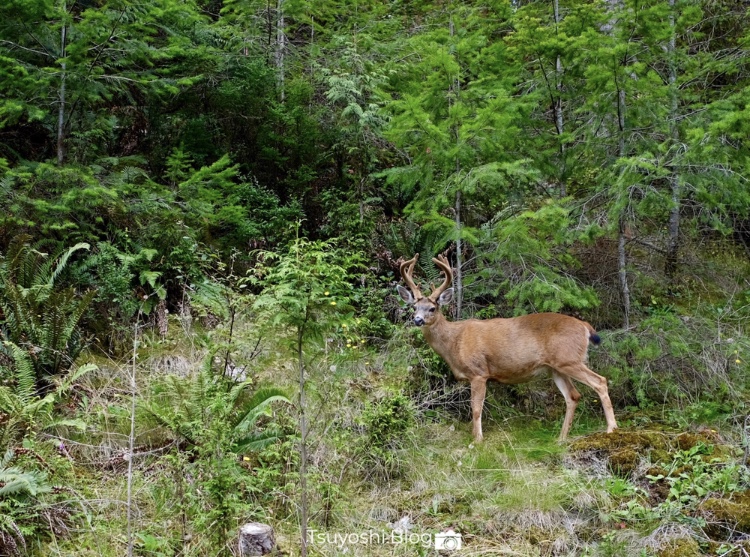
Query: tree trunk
x=61, y=99
x=280, y=47
x=673, y=229
x=622, y=261
x=559, y=121
x=458, y=276
x=622, y=271
x=256, y=539
x=303, y=443
x=131, y=438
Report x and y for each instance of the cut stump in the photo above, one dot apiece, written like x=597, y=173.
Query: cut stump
x=256, y=539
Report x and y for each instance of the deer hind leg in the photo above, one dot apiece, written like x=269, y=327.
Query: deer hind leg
x=572, y=396
x=478, y=392
x=588, y=377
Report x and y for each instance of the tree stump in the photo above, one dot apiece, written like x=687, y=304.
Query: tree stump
x=256, y=539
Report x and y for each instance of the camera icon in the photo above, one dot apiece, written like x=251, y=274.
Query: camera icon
x=448, y=540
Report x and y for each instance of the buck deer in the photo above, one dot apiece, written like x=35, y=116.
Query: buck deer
x=510, y=351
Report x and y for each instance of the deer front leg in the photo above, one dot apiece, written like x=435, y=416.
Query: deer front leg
x=478, y=391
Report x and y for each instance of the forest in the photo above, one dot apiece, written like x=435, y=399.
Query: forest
x=203, y=209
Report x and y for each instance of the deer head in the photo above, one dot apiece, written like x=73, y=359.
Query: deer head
x=426, y=309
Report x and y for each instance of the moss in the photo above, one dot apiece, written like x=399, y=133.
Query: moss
x=625, y=448
x=623, y=461
x=704, y=436
x=622, y=448
x=452, y=506
x=726, y=515
x=685, y=441
x=657, y=471
x=680, y=547
x=661, y=455
x=622, y=439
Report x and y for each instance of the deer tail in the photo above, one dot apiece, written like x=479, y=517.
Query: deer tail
x=593, y=337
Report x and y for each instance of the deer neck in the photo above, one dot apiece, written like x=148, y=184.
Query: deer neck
x=441, y=335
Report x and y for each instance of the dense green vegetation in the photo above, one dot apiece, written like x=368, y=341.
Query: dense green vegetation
x=202, y=206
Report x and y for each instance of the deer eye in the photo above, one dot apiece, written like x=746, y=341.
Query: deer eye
x=432, y=310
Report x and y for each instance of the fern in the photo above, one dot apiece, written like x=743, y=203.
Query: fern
x=15, y=482
x=40, y=318
x=22, y=373
x=259, y=402
x=23, y=410
x=187, y=407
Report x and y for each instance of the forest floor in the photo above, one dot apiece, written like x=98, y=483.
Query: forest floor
x=655, y=487
x=522, y=493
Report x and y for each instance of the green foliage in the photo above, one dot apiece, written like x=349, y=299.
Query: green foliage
x=692, y=475
x=527, y=254
x=386, y=423
x=688, y=360
x=306, y=286
x=688, y=479
x=30, y=510
x=21, y=504
x=215, y=423
x=24, y=411
x=39, y=316
x=372, y=323
x=190, y=407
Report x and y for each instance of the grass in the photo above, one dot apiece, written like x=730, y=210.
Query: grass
x=510, y=495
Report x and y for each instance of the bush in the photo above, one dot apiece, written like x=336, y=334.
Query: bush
x=386, y=423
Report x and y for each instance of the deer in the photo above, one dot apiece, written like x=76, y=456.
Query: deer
x=508, y=350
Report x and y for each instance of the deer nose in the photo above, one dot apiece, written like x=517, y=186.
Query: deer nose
x=418, y=320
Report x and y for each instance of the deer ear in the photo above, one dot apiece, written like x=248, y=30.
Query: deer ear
x=406, y=295
x=446, y=297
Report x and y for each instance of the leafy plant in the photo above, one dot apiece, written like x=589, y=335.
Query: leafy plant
x=385, y=423
x=38, y=316
x=188, y=407
x=304, y=288
x=24, y=510
x=215, y=423
x=526, y=257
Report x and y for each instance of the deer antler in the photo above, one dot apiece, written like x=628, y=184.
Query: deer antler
x=407, y=270
x=445, y=267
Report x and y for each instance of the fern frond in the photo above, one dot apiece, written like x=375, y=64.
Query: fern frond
x=23, y=372
x=257, y=441
x=38, y=406
x=15, y=481
x=21, y=316
x=15, y=259
x=257, y=406
x=7, y=457
x=77, y=311
x=63, y=261
x=68, y=381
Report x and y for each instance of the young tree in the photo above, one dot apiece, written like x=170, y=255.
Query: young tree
x=304, y=288
x=450, y=114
